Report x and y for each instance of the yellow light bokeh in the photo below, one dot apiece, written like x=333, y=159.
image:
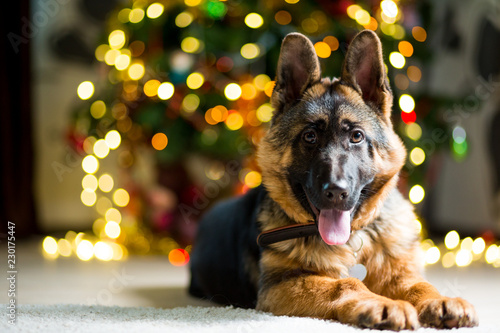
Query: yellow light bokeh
x=492, y=254
x=419, y=34
x=116, y=39
x=121, y=197
x=89, y=182
x=260, y=81
x=362, y=17
x=85, y=250
x=322, y=49
x=90, y=164
x=352, y=10
x=406, y=103
x=112, y=229
x=250, y=51
x=248, y=91
x=102, y=205
x=100, y=51
x=118, y=251
x=268, y=90
x=190, y=45
x=101, y=148
x=467, y=244
x=190, y=103
x=254, y=20
x=49, y=245
x=123, y=15
x=397, y=60
x=184, y=19
x=463, y=258
x=448, y=259
x=414, y=131
x=234, y=121
x=165, y=90
x=195, y=80
x=88, y=197
x=219, y=113
x=418, y=225
x=113, y=139
x=155, y=10
x=103, y=251
x=451, y=240
x=136, y=71
x=192, y=3
x=106, y=183
x=110, y=57
x=122, y=62
x=64, y=247
x=292, y=1
x=432, y=255
x=389, y=8
x=265, y=112
x=417, y=156
x=98, y=109
x=253, y=179
x=232, y=91
x=478, y=245
x=136, y=15
x=114, y=215
x=159, y=141
x=85, y=90
x=416, y=194
x=151, y=88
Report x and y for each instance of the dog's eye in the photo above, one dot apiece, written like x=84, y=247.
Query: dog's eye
x=310, y=136
x=357, y=136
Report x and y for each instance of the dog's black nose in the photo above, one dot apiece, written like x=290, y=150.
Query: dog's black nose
x=336, y=192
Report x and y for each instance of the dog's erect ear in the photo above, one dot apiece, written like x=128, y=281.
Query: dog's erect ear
x=298, y=67
x=364, y=69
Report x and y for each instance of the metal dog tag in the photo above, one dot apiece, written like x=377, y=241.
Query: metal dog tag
x=358, y=271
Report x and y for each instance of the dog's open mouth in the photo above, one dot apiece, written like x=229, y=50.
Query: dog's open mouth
x=334, y=225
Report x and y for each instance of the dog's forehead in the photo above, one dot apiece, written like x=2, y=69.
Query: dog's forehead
x=335, y=104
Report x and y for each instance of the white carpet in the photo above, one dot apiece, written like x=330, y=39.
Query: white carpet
x=84, y=318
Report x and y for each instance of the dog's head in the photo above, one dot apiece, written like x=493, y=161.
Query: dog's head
x=331, y=153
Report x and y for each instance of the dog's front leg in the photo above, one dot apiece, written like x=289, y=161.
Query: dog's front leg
x=346, y=300
x=437, y=310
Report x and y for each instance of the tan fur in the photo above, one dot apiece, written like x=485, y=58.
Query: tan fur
x=307, y=277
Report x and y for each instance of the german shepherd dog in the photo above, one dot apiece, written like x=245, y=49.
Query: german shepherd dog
x=330, y=156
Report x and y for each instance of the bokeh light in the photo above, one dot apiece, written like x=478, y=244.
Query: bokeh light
x=116, y=39
x=85, y=90
x=178, y=257
x=232, y=91
x=254, y=20
x=417, y=156
x=113, y=139
x=121, y=197
x=112, y=229
x=322, y=49
x=451, y=240
x=414, y=131
x=406, y=103
x=90, y=164
x=397, y=60
x=159, y=141
x=419, y=34
x=154, y=10
x=85, y=250
x=49, y=245
x=416, y=194
x=195, y=80
x=101, y=148
x=106, y=183
x=250, y=51
x=432, y=255
x=89, y=182
x=165, y=90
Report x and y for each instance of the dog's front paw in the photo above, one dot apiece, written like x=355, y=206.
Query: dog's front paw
x=447, y=313
x=382, y=313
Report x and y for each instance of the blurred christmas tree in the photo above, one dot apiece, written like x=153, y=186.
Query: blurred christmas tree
x=184, y=98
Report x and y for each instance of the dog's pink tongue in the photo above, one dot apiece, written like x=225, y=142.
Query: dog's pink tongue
x=334, y=226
